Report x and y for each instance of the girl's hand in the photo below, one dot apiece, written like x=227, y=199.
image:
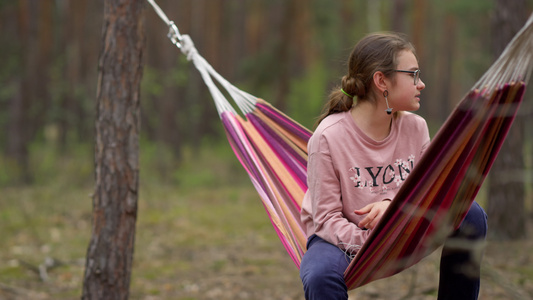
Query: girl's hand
x=375, y=212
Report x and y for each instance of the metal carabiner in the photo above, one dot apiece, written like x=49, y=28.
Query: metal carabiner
x=174, y=34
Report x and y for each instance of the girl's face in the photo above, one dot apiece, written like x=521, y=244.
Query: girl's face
x=404, y=94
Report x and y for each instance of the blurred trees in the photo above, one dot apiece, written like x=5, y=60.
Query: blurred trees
x=48, y=52
x=290, y=53
x=30, y=94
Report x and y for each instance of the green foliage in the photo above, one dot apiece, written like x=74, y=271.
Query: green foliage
x=327, y=20
x=213, y=164
x=265, y=69
x=156, y=161
x=466, y=8
x=308, y=95
x=6, y=3
x=50, y=166
x=151, y=85
x=9, y=170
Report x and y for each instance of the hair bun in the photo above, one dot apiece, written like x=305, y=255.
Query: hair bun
x=349, y=85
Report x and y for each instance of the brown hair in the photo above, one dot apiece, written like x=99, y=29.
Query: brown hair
x=375, y=52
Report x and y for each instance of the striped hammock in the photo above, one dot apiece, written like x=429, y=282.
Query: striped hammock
x=434, y=199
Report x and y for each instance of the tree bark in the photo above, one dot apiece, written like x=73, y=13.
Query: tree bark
x=21, y=125
x=506, y=207
x=110, y=252
x=398, y=15
x=284, y=53
x=447, y=99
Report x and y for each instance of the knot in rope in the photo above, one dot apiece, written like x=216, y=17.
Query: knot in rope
x=187, y=47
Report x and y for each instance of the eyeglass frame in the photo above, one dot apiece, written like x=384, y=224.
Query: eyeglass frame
x=416, y=74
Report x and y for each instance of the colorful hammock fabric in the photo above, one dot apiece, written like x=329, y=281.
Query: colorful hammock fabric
x=434, y=199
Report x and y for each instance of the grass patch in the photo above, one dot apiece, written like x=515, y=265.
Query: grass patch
x=202, y=233
x=191, y=215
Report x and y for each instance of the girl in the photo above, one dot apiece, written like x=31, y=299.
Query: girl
x=359, y=156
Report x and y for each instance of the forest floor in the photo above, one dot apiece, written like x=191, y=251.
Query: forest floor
x=198, y=243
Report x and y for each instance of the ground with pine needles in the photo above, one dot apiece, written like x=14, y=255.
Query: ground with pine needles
x=202, y=233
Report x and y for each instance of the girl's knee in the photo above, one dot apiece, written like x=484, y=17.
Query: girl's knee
x=312, y=279
x=474, y=225
x=317, y=273
x=323, y=285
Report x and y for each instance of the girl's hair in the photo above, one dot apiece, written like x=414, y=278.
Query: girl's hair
x=375, y=52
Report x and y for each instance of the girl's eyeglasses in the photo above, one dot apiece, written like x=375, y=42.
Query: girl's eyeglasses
x=416, y=74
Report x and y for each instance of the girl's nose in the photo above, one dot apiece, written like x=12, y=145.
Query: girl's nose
x=421, y=85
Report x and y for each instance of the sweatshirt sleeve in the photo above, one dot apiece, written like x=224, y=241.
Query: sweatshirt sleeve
x=326, y=212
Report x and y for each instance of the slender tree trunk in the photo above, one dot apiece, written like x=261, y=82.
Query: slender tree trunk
x=506, y=209
x=215, y=40
x=284, y=54
x=445, y=102
x=110, y=252
x=373, y=19
x=71, y=50
x=17, y=133
x=398, y=15
x=420, y=13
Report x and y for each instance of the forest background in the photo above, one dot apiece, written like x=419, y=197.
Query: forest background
x=198, y=214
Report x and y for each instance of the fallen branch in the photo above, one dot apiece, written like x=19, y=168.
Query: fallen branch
x=42, y=269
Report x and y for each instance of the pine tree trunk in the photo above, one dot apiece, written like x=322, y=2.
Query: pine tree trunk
x=506, y=207
x=110, y=252
x=398, y=15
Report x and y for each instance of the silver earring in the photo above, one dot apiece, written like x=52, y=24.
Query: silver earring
x=386, y=94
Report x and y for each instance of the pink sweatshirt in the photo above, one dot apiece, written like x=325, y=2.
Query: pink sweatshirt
x=348, y=170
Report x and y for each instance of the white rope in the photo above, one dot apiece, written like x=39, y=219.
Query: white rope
x=246, y=102
x=159, y=11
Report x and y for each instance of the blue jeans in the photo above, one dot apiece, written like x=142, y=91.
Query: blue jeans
x=323, y=265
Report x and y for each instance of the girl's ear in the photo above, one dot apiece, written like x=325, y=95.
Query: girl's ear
x=380, y=81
